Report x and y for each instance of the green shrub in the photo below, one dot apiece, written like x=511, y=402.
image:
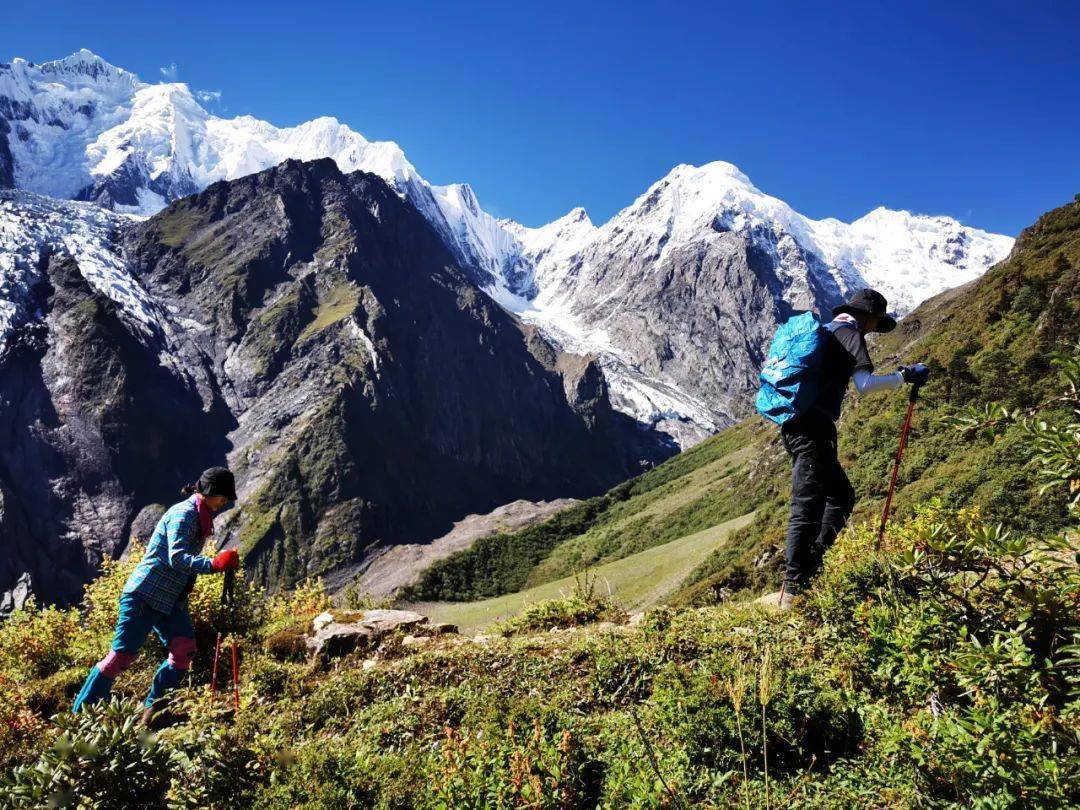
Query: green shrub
x=36, y=641
x=531, y=767
x=571, y=611
x=103, y=757
x=584, y=606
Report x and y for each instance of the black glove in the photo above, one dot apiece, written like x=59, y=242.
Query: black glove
x=917, y=374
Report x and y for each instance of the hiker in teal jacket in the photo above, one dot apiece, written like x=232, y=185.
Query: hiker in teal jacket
x=155, y=595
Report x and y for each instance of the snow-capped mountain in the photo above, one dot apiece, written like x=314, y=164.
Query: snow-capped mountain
x=81, y=128
x=679, y=292
x=701, y=242
x=306, y=326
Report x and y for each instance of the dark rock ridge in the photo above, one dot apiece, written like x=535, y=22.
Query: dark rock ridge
x=82, y=403
x=122, y=186
x=7, y=164
x=316, y=334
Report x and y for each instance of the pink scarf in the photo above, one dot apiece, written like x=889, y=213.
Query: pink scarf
x=206, y=517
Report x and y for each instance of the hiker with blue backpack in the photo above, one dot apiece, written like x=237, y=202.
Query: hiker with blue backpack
x=804, y=380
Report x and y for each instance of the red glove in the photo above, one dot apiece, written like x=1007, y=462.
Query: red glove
x=227, y=560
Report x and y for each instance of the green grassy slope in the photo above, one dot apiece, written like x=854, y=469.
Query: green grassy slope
x=702, y=487
x=638, y=581
x=990, y=340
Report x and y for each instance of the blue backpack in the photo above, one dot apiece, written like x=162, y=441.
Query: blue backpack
x=789, y=378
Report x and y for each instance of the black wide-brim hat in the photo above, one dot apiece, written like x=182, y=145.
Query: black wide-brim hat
x=868, y=302
x=217, y=481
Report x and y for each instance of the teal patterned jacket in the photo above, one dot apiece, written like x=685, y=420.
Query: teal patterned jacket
x=171, y=558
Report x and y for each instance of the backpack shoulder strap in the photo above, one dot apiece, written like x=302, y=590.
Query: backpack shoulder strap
x=840, y=323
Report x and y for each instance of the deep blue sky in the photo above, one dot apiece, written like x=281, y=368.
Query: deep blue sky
x=966, y=109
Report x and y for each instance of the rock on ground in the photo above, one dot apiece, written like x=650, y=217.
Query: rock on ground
x=350, y=632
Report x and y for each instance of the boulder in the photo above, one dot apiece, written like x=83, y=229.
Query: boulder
x=386, y=621
x=336, y=640
x=361, y=631
x=142, y=528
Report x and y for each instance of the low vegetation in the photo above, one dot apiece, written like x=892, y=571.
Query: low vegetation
x=939, y=669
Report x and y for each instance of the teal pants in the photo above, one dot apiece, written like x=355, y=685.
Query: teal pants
x=136, y=621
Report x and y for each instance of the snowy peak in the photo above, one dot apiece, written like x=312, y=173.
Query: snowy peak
x=100, y=134
x=692, y=201
x=80, y=127
x=542, y=255
x=718, y=173
x=908, y=257
x=80, y=70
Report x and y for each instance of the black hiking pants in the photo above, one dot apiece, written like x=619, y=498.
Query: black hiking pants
x=821, y=496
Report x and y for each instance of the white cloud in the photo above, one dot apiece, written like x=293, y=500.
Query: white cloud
x=207, y=96
x=169, y=71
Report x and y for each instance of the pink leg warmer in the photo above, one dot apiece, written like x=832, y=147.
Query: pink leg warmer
x=181, y=652
x=114, y=663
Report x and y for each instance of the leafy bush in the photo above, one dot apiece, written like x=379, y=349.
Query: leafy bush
x=533, y=767
x=306, y=600
x=103, y=757
x=35, y=641
x=571, y=611
x=965, y=629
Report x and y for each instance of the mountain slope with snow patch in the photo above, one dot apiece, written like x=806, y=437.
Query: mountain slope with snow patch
x=679, y=292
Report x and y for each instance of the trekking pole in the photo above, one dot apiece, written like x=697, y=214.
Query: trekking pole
x=226, y=599
x=914, y=395
x=235, y=678
x=213, y=673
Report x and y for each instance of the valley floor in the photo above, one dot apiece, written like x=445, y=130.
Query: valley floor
x=635, y=582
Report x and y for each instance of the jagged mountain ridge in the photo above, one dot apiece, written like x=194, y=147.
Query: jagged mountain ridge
x=310, y=328
x=686, y=285
x=79, y=127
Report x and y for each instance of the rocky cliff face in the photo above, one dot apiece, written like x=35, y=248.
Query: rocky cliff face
x=94, y=428
x=312, y=329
